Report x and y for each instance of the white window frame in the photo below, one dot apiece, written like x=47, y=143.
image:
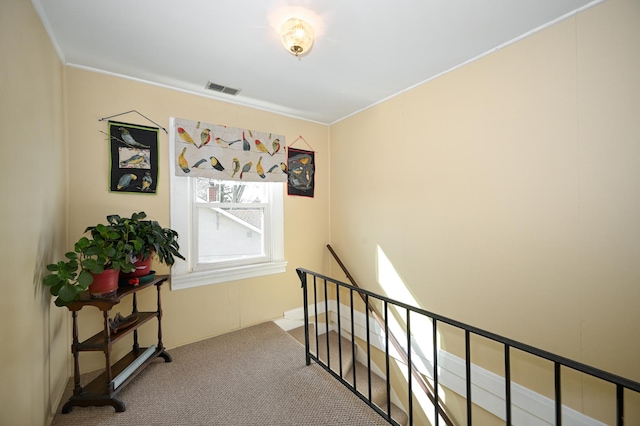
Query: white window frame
x=184, y=274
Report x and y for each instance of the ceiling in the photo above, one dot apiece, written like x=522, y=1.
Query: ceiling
x=365, y=50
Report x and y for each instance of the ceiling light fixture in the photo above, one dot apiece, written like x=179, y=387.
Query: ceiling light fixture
x=297, y=36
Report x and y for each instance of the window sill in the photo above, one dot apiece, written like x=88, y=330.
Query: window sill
x=201, y=278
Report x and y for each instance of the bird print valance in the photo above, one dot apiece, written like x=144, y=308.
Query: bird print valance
x=227, y=153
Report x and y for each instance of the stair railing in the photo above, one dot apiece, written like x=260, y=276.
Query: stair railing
x=431, y=393
x=621, y=384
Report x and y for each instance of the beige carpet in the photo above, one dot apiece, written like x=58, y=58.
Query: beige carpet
x=378, y=384
x=254, y=376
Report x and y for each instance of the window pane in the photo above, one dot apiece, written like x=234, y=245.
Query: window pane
x=217, y=191
x=226, y=234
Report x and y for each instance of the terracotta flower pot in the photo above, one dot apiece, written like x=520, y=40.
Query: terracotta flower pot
x=104, y=284
x=143, y=267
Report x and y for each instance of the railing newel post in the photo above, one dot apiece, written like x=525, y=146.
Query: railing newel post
x=305, y=304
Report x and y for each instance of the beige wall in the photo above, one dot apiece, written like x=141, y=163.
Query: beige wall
x=34, y=334
x=193, y=314
x=506, y=194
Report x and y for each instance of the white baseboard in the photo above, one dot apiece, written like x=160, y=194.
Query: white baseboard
x=487, y=388
x=298, y=313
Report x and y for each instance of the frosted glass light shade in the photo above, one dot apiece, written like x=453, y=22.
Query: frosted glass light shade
x=297, y=36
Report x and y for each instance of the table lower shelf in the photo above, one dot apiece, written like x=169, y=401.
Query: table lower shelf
x=99, y=392
x=97, y=341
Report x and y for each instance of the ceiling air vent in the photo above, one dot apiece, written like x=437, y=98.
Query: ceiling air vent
x=222, y=89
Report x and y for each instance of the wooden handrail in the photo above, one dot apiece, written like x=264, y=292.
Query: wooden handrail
x=426, y=387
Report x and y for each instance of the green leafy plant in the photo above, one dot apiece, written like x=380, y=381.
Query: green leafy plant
x=116, y=245
x=105, y=248
x=147, y=237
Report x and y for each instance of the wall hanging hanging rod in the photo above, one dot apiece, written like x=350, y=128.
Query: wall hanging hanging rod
x=142, y=115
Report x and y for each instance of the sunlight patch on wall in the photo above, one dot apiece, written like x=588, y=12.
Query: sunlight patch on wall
x=421, y=330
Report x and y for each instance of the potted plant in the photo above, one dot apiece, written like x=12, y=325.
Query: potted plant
x=147, y=237
x=99, y=256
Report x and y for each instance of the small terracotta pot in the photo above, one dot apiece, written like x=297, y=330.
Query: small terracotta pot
x=143, y=267
x=104, y=284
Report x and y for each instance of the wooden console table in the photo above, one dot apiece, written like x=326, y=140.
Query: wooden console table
x=104, y=388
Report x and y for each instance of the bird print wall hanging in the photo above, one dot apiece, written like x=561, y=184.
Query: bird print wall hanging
x=301, y=172
x=134, y=158
x=227, y=153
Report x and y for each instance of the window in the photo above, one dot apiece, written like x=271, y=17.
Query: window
x=228, y=230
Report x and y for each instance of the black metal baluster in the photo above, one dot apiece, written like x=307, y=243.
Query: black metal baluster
x=366, y=302
x=435, y=370
x=326, y=323
x=353, y=339
x=620, y=405
x=339, y=330
x=558, y=386
x=507, y=382
x=386, y=352
x=467, y=343
x=409, y=365
x=315, y=307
